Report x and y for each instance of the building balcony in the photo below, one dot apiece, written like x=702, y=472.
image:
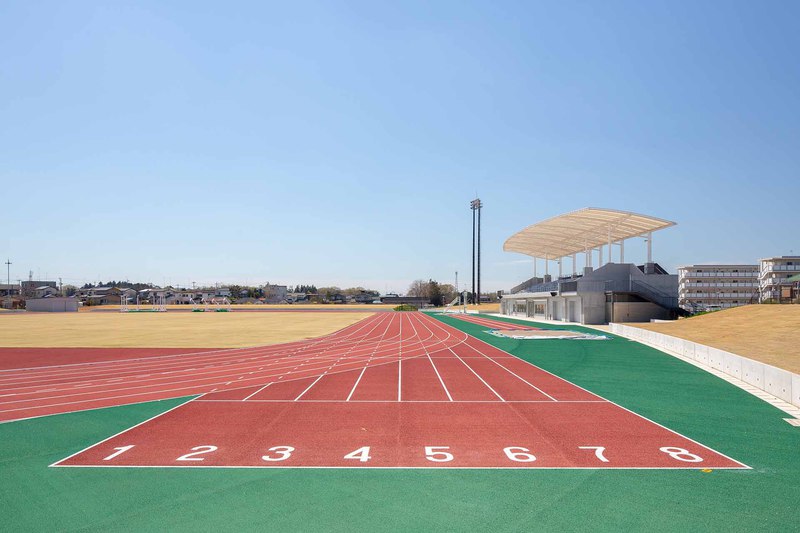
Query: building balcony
x=780, y=268
x=688, y=285
x=745, y=274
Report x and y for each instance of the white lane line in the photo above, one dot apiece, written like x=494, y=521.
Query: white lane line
x=256, y=392
x=513, y=373
x=371, y=355
x=431, y=360
x=478, y=376
x=121, y=432
x=408, y=401
x=309, y=387
x=606, y=400
x=400, y=365
x=356, y=384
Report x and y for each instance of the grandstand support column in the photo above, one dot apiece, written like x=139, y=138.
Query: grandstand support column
x=534, y=267
x=622, y=251
x=588, y=255
x=600, y=259
x=559, y=266
x=546, y=266
x=609, y=244
x=574, y=264
x=650, y=247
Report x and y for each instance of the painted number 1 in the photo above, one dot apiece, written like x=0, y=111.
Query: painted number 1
x=121, y=449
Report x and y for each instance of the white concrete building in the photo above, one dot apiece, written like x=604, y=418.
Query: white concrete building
x=773, y=273
x=709, y=287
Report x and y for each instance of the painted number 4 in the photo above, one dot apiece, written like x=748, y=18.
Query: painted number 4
x=361, y=454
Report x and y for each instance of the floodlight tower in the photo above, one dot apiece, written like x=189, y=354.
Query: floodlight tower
x=8, y=274
x=476, y=205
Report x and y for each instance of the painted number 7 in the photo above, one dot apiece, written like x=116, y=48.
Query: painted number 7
x=598, y=451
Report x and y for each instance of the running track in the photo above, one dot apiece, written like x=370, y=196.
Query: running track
x=394, y=390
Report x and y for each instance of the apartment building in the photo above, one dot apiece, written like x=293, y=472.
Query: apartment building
x=708, y=287
x=773, y=276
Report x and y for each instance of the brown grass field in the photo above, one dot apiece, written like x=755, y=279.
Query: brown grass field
x=766, y=333
x=367, y=308
x=167, y=330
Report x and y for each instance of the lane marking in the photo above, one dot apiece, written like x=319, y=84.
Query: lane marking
x=256, y=392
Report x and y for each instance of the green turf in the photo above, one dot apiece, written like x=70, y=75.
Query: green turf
x=34, y=497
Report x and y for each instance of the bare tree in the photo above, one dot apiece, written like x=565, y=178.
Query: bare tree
x=419, y=288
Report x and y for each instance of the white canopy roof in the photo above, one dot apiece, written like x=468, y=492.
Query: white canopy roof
x=581, y=230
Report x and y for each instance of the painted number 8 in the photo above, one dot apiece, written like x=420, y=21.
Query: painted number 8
x=681, y=455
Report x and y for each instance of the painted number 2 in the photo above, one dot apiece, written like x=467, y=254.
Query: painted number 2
x=197, y=450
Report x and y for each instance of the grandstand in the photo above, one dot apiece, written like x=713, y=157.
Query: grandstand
x=621, y=291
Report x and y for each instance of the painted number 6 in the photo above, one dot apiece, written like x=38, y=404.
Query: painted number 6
x=519, y=454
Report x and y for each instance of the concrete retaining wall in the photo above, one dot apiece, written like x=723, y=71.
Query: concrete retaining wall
x=52, y=305
x=778, y=382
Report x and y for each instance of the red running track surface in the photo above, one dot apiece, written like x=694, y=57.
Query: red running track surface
x=397, y=390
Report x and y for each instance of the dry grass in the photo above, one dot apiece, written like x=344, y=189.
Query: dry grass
x=367, y=308
x=167, y=330
x=766, y=333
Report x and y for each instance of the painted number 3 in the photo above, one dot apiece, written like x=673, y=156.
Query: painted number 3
x=681, y=455
x=282, y=452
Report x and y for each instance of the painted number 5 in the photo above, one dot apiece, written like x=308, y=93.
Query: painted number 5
x=284, y=452
x=434, y=453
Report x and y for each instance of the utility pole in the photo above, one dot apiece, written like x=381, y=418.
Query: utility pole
x=476, y=206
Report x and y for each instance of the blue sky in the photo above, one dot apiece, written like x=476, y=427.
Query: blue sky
x=340, y=143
